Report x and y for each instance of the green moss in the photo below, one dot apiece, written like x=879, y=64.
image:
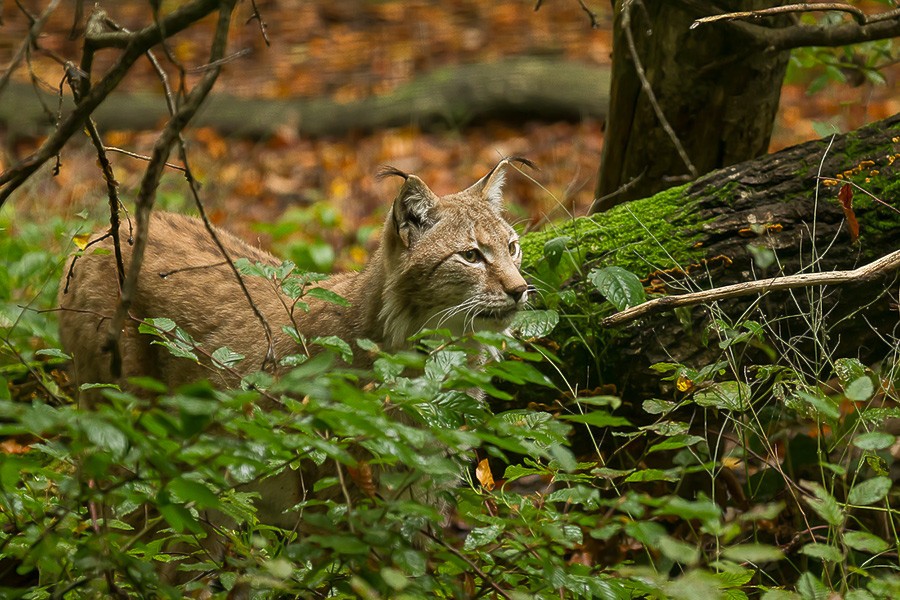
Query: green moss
x=659, y=232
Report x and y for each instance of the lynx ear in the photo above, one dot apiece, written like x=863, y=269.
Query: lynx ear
x=491, y=185
x=413, y=210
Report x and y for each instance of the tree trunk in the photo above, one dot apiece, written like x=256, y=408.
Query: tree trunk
x=519, y=88
x=722, y=229
x=718, y=93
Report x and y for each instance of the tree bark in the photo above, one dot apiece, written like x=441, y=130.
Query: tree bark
x=715, y=232
x=717, y=89
x=520, y=88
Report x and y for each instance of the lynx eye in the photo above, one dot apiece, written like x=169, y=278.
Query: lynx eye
x=514, y=248
x=471, y=256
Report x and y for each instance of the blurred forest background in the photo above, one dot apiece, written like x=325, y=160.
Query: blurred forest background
x=321, y=190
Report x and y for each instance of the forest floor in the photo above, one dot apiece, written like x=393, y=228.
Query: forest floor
x=349, y=50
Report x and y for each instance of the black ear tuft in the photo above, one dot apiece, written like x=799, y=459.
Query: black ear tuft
x=389, y=171
x=523, y=161
x=491, y=185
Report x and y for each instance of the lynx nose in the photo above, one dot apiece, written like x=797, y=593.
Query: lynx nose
x=518, y=292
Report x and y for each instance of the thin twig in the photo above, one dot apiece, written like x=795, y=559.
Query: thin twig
x=30, y=39
x=79, y=82
x=192, y=185
x=263, y=27
x=648, y=89
x=858, y=15
x=135, y=45
x=143, y=157
x=468, y=561
x=151, y=178
x=876, y=268
x=230, y=58
x=884, y=25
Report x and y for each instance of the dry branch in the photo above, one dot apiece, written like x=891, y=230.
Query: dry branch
x=152, y=175
x=137, y=44
x=872, y=270
x=865, y=28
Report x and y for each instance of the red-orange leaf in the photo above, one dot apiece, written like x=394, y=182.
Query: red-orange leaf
x=845, y=195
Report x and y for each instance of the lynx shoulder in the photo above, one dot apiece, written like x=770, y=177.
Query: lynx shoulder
x=444, y=262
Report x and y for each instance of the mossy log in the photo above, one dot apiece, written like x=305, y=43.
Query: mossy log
x=775, y=215
x=517, y=88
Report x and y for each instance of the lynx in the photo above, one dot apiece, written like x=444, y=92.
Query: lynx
x=444, y=262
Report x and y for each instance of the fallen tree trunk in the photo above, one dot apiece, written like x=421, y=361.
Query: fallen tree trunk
x=763, y=218
x=518, y=88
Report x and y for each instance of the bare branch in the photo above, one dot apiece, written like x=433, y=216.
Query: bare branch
x=138, y=43
x=263, y=26
x=151, y=178
x=874, y=269
x=865, y=28
x=29, y=41
x=858, y=14
x=143, y=157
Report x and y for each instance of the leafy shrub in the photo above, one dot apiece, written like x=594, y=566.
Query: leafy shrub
x=756, y=474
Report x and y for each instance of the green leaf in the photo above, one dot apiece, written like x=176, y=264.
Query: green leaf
x=860, y=389
x=779, y=595
x=728, y=395
x=394, y=578
x=517, y=372
x=154, y=326
x=621, y=287
x=824, y=552
x=333, y=342
x=655, y=406
x=865, y=542
x=875, y=440
x=675, y=442
x=177, y=349
x=848, y=369
x=754, y=553
x=344, y=544
x=480, y=536
x=280, y=568
x=703, y=510
x=870, y=491
x=54, y=353
x=825, y=407
x=825, y=505
x=678, y=551
x=534, y=323
x=327, y=296
x=188, y=490
x=226, y=358
x=94, y=386
x=179, y=518
x=597, y=418
x=105, y=435
x=735, y=578
x=554, y=250
x=651, y=475
x=811, y=588
x=613, y=402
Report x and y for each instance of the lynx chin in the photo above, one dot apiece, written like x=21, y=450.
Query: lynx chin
x=444, y=262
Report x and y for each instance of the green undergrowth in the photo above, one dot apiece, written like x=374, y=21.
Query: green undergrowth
x=764, y=471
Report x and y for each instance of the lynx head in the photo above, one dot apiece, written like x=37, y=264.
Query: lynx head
x=450, y=262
